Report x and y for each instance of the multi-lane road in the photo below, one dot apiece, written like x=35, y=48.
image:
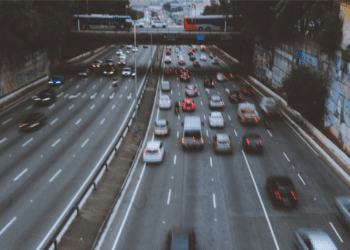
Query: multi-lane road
x=223, y=197
x=42, y=172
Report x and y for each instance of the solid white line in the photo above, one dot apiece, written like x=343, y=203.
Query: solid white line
x=120, y=96
x=113, y=106
x=211, y=162
x=235, y=132
x=286, y=156
x=53, y=105
x=78, y=122
x=92, y=107
x=26, y=143
x=83, y=95
x=71, y=107
x=53, y=177
x=83, y=145
x=214, y=200
x=174, y=159
x=229, y=117
x=56, y=142
x=54, y=121
x=103, y=120
x=301, y=179
x=65, y=96
x=269, y=132
x=8, y=224
x=261, y=202
x=302, y=138
x=204, y=117
x=341, y=240
x=22, y=173
x=60, y=94
x=130, y=204
x=177, y=134
x=8, y=120
x=29, y=107
x=202, y=103
x=103, y=96
x=207, y=133
x=157, y=114
x=169, y=195
x=6, y=139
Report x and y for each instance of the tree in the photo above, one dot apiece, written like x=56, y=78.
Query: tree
x=167, y=7
x=306, y=92
x=213, y=9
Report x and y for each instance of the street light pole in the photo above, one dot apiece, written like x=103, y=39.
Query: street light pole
x=135, y=78
x=151, y=56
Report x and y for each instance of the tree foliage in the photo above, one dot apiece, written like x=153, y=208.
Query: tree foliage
x=166, y=7
x=213, y=9
x=306, y=92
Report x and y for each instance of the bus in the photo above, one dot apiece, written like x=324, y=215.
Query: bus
x=102, y=22
x=213, y=23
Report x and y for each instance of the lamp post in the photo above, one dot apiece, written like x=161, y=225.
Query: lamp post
x=195, y=14
x=135, y=78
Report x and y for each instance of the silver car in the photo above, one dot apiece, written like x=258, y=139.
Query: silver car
x=135, y=49
x=216, y=119
x=216, y=102
x=161, y=127
x=203, y=57
x=126, y=72
x=154, y=152
x=166, y=86
x=119, y=52
x=342, y=204
x=313, y=238
x=222, y=143
x=164, y=102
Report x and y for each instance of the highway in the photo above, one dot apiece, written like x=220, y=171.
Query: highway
x=223, y=197
x=41, y=172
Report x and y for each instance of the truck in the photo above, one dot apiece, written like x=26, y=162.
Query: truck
x=269, y=108
x=247, y=113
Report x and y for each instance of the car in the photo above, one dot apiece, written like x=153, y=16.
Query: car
x=168, y=70
x=234, y=77
x=181, y=60
x=109, y=62
x=203, y=48
x=191, y=90
x=164, y=102
x=126, y=72
x=222, y=143
x=129, y=46
x=122, y=62
x=84, y=72
x=216, y=102
x=168, y=47
x=194, y=48
x=168, y=52
x=234, y=96
x=57, y=80
x=181, y=239
x=183, y=69
x=122, y=56
x=188, y=104
x=252, y=142
x=135, y=49
x=220, y=77
x=161, y=127
x=192, y=137
x=176, y=50
x=313, y=238
x=45, y=97
x=166, y=86
x=128, y=51
x=247, y=89
x=185, y=76
x=145, y=46
x=211, y=55
x=209, y=82
x=216, y=120
x=167, y=59
x=97, y=64
x=190, y=52
x=203, y=57
x=215, y=60
x=192, y=57
x=122, y=46
x=158, y=24
x=108, y=70
x=269, y=108
x=33, y=122
x=153, y=152
x=119, y=52
x=140, y=24
x=196, y=63
x=342, y=205
x=179, y=54
x=133, y=74
x=281, y=190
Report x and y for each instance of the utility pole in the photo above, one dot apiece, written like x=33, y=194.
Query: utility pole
x=135, y=78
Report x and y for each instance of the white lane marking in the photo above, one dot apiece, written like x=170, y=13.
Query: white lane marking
x=78, y=122
x=29, y=107
x=56, y=142
x=93, y=96
x=204, y=117
x=53, y=177
x=207, y=133
x=201, y=103
x=336, y=232
x=169, y=195
x=27, y=142
x=286, y=156
x=53, y=105
x=113, y=106
x=85, y=79
x=103, y=96
x=127, y=212
x=60, y=94
x=302, y=138
x=72, y=106
x=126, y=86
x=211, y=162
x=74, y=96
x=8, y=120
x=22, y=173
x=6, y=139
x=261, y=202
x=78, y=86
x=92, y=107
x=8, y=224
x=218, y=93
x=214, y=202
x=111, y=96
x=65, y=96
x=83, y=95
x=174, y=159
x=301, y=179
x=269, y=132
x=179, y=93
x=103, y=120
x=120, y=96
x=83, y=145
x=229, y=117
x=94, y=87
x=129, y=96
x=176, y=135
x=110, y=87
x=101, y=80
x=235, y=132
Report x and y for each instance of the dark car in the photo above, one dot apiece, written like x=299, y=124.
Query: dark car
x=252, y=142
x=191, y=90
x=247, y=89
x=33, y=122
x=109, y=62
x=211, y=55
x=168, y=52
x=281, y=191
x=45, y=97
x=220, y=77
x=188, y=104
x=203, y=48
x=209, y=82
x=167, y=59
x=168, y=70
x=97, y=64
x=122, y=62
x=234, y=77
x=57, y=81
x=185, y=76
x=108, y=71
x=190, y=52
x=166, y=86
x=183, y=69
x=215, y=60
x=181, y=240
x=196, y=63
x=234, y=96
x=222, y=143
x=84, y=72
x=192, y=57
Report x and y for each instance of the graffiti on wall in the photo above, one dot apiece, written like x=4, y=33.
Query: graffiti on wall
x=302, y=58
x=29, y=75
x=263, y=62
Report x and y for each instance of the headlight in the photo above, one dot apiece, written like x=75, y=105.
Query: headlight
x=50, y=81
x=23, y=125
x=34, y=125
x=45, y=99
x=98, y=66
x=58, y=82
x=104, y=72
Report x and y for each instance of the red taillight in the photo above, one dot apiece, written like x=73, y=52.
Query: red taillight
x=188, y=76
x=247, y=141
x=260, y=142
x=182, y=140
x=169, y=102
x=243, y=120
x=237, y=76
x=155, y=128
x=217, y=76
x=240, y=96
x=231, y=75
x=178, y=60
x=144, y=152
x=187, y=70
x=221, y=103
x=199, y=63
x=224, y=77
x=229, y=141
x=195, y=90
x=256, y=120
x=194, y=139
x=253, y=91
x=202, y=141
x=166, y=128
x=278, y=196
x=211, y=103
x=217, y=142
x=294, y=195
x=159, y=151
x=280, y=114
x=160, y=102
x=186, y=89
x=181, y=76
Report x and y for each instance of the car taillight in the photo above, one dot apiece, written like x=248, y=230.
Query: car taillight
x=211, y=103
x=144, y=152
x=253, y=91
x=221, y=103
x=229, y=141
x=224, y=77
x=194, y=139
x=199, y=63
x=256, y=120
x=237, y=76
x=178, y=60
x=169, y=102
x=217, y=76
x=278, y=196
x=280, y=114
x=159, y=151
x=294, y=195
x=186, y=89
x=195, y=90
x=240, y=96
x=160, y=102
x=181, y=76
x=243, y=120
x=247, y=141
x=155, y=128
x=260, y=142
x=187, y=70
x=217, y=142
x=188, y=76
x=166, y=128
x=202, y=141
x=182, y=140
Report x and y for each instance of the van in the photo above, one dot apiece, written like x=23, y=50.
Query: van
x=192, y=137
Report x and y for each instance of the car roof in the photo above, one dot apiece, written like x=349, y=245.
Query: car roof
x=109, y=60
x=216, y=114
x=128, y=69
x=214, y=97
x=161, y=122
x=319, y=239
x=222, y=137
x=192, y=122
x=166, y=82
x=164, y=97
x=153, y=144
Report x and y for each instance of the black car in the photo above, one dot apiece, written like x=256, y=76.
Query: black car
x=108, y=70
x=181, y=240
x=191, y=90
x=234, y=96
x=168, y=52
x=252, y=142
x=185, y=76
x=145, y=46
x=45, y=97
x=196, y=63
x=281, y=191
x=33, y=122
x=212, y=55
x=209, y=82
x=183, y=69
x=247, y=89
x=192, y=57
x=84, y=72
x=234, y=77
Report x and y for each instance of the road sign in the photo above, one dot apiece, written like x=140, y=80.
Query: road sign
x=200, y=37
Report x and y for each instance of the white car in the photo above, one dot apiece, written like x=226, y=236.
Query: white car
x=129, y=46
x=158, y=24
x=216, y=119
x=135, y=49
x=126, y=72
x=203, y=57
x=119, y=52
x=140, y=24
x=122, y=56
x=154, y=152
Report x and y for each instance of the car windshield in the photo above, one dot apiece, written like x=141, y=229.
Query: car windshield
x=195, y=134
x=216, y=115
x=127, y=69
x=215, y=98
x=56, y=78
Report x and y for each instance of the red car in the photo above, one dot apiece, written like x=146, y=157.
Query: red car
x=203, y=48
x=188, y=104
x=168, y=52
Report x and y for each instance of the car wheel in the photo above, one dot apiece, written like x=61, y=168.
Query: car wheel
x=207, y=29
x=153, y=26
x=200, y=29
